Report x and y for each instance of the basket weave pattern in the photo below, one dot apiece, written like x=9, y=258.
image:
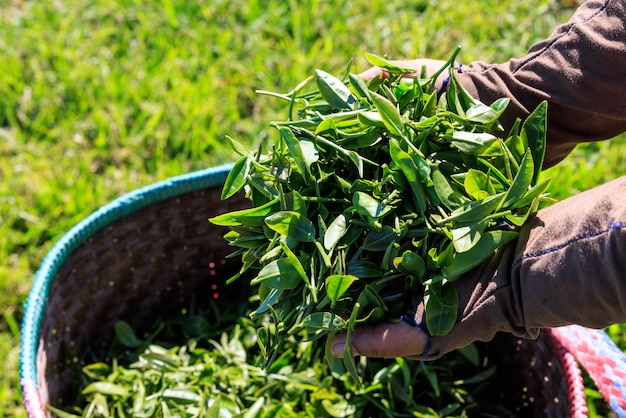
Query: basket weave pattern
x=547, y=375
x=150, y=252
x=143, y=255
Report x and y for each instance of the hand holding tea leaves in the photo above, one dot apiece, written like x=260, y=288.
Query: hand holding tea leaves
x=372, y=191
x=382, y=340
x=431, y=66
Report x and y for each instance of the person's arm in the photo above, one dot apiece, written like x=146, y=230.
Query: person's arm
x=579, y=70
x=568, y=267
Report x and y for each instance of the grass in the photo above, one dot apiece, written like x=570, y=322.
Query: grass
x=98, y=98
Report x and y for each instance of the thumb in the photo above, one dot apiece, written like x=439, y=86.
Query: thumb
x=383, y=340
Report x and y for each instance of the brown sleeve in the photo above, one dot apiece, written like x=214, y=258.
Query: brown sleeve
x=580, y=70
x=568, y=267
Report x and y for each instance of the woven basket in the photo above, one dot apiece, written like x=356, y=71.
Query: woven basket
x=151, y=250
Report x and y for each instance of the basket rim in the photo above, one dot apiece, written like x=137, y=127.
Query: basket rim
x=80, y=233
x=62, y=249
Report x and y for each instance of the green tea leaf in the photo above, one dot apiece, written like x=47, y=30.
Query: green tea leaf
x=336, y=286
x=388, y=65
x=236, y=178
x=181, y=395
x=379, y=240
x=522, y=181
x=509, y=161
x=99, y=405
x=334, y=91
x=228, y=406
x=533, y=133
x=359, y=86
x=368, y=206
x=356, y=160
x=475, y=211
x=483, y=376
x=367, y=139
x=125, y=334
x=352, y=156
x=371, y=118
x=309, y=153
x=105, y=388
x=499, y=176
x=327, y=128
x=269, y=299
x=487, y=115
x=363, y=269
x=324, y=321
x=515, y=143
x=348, y=358
x=294, y=202
x=461, y=96
x=519, y=218
x=297, y=265
x=485, y=248
x=389, y=114
x=59, y=413
x=159, y=359
x=336, y=230
x=532, y=194
x=411, y=263
x=279, y=274
x=254, y=216
x=471, y=353
x=464, y=237
x=446, y=194
x=369, y=297
x=97, y=371
x=350, y=365
x=255, y=410
x=339, y=408
x=408, y=167
x=432, y=378
x=292, y=224
x=441, y=304
x=473, y=143
x=478, y=185
x=248, y=242
x=293, y=145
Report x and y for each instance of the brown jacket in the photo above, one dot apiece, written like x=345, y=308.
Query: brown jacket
x=580, y=70
x=569, y=265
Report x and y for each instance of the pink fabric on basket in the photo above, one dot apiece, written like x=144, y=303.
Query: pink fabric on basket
x=32, y=401
x=572, y=374
x=601, y=358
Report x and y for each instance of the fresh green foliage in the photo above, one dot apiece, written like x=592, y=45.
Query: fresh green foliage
x=375, y=190
x=207, y=370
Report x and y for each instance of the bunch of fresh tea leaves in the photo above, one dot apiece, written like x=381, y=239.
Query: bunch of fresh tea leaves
x=373, y=191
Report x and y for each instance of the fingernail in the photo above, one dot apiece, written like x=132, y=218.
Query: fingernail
x=338, y=349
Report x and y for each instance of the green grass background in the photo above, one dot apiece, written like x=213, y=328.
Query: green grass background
x=98, y=98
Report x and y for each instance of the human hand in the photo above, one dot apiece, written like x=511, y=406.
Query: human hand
x=383, y=340
x=431, y=65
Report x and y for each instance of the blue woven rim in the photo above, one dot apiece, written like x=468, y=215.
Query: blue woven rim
x=104, y=216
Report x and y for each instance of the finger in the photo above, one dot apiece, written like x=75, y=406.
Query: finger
x=384, y=340
x=372, y=72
